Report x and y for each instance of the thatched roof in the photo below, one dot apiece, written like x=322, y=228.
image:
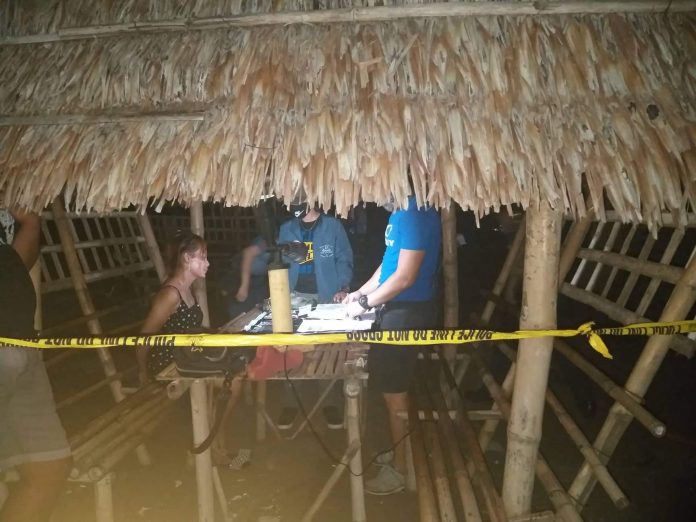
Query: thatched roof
x=489, y=110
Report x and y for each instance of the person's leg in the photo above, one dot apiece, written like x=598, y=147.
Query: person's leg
x=398, y=427
x=31, y=437
x=40, y=484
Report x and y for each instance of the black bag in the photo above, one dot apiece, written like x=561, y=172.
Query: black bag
x=195, y=362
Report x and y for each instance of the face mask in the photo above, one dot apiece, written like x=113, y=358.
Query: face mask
x=298, y=211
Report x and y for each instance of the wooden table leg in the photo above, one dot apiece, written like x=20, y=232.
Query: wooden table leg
x=204, y=465
x=352, y=391
x=261, y=410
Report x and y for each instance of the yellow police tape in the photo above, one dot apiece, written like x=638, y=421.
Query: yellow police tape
x=395, y=337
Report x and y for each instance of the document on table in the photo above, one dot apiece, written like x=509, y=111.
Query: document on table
x=331, y=318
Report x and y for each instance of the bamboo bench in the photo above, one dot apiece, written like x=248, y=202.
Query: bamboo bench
x=448, y=466
x=109, y=438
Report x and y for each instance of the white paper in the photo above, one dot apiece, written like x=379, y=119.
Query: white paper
x=332, y=325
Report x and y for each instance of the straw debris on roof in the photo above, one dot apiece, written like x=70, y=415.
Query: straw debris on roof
x=490, y=111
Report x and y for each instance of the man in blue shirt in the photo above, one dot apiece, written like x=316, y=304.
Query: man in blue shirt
x=405, y=284
x=324, y=277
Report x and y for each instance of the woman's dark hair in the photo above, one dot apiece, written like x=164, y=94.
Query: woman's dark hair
x=184, y=242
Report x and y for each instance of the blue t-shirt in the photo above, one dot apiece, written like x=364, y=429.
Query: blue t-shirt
x=413, y=229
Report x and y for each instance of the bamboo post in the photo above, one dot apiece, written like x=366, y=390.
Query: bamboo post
x=351, y=390
x=450, y=271
x=199, y=289
x=534, y=357
x=104, y=502
x=679, y=304
x=151, y=245
x=35, y=274
x=204, y=465
x=561, y=501
x=578, y=437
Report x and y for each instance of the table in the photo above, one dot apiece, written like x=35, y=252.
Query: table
x=325, y=362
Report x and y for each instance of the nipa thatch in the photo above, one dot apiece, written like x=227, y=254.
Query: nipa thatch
x=489, y=112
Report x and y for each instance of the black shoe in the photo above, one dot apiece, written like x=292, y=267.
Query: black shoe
x=333, y=418
x=286, y=418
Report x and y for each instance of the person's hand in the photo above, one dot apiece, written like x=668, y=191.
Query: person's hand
x=242, y=294
x=352, y=297
x=354, y=309
x=339, y=296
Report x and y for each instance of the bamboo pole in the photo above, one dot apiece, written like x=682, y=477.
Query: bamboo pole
x=83, y=296
x=578, y=437
x=666, y=259
x=35, y=274
x=668, y=273
x=352, y=392
x=113, y=413
x=467, y=497
x=331, y=482
x=151, y=245
x=137, y=439
x=571, y=245
x=534, y=357
x=204, y=465
x=504, y=275
x=561, y=501
x=104, y=502
x=630, y=402
x=622, y=251
x=434, y=450
x=450, y=269
x=199, y=289
x=679, y=343
x=357, y=15
x=615, y=227
x=680, y=302
x=99, y=119
x=426, y=496
x=90, y=389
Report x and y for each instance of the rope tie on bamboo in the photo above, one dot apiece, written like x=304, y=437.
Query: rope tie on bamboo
x=594, y=339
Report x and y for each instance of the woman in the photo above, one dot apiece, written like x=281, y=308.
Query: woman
x=174, y=309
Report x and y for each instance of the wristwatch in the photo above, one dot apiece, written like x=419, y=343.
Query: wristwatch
x=362, y=301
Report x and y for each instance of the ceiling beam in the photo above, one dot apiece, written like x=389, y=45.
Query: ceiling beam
x=94, y=119
x=360, y=14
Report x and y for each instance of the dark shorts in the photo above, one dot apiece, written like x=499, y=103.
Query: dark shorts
x=391, y=367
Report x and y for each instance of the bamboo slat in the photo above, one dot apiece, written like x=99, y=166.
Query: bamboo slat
x=358, y=14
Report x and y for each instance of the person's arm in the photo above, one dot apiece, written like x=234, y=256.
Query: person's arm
x=163, y=305
x=26, y=239
x=403, y=277
x=248, y=256
x=344, y=262
x=370, y=286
